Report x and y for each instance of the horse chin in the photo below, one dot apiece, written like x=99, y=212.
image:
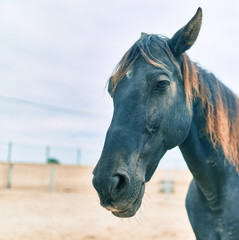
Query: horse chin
x=131, y=211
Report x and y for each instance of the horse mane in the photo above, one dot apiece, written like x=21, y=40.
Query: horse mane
x=220, y=105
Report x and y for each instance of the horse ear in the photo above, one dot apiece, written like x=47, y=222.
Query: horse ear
x=184, y=38
x=143, y=34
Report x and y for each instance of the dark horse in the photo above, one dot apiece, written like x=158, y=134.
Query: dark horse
x=161, y=100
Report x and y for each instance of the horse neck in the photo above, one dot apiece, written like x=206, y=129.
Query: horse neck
x=206, y=163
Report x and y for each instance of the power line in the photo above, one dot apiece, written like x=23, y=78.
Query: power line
x=48, y=107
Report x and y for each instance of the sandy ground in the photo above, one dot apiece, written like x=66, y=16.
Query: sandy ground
x=75, y=214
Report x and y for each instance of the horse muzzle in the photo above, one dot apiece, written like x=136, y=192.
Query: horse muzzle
x=117, y=193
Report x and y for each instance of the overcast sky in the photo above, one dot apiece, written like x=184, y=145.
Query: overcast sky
x=61, y=53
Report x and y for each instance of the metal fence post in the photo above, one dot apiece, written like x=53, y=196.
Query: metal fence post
x=10, y=166
x=52, y=178
x=9, y=176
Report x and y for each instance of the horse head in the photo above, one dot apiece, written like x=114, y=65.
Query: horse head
x=152, y=114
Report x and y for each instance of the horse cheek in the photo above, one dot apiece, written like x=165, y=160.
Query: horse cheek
x=178, y=126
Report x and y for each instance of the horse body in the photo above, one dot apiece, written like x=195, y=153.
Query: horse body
x=212, y=200
x=163, y=100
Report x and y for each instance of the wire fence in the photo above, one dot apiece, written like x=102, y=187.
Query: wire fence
x=30, y=153
x=24, y=166
x=72, y=178
x=47, y=177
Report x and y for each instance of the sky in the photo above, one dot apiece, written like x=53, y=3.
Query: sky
x=61, y=54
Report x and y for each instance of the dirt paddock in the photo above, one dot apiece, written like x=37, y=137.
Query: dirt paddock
x=73, y=212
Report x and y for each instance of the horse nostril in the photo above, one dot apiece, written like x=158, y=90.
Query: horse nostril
x=119, y=182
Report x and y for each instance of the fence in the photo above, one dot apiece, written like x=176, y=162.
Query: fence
x=73, y=178
x=47, y=177
x=16, y=173
x=19, y=152
x=30, y=153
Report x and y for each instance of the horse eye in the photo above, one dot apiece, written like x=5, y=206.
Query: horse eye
x=162, y=85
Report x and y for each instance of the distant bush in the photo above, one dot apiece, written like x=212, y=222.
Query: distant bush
x=53, y=160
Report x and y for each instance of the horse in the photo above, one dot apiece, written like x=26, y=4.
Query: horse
x=162, y=99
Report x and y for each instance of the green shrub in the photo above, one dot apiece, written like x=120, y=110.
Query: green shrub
x=53, y=160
